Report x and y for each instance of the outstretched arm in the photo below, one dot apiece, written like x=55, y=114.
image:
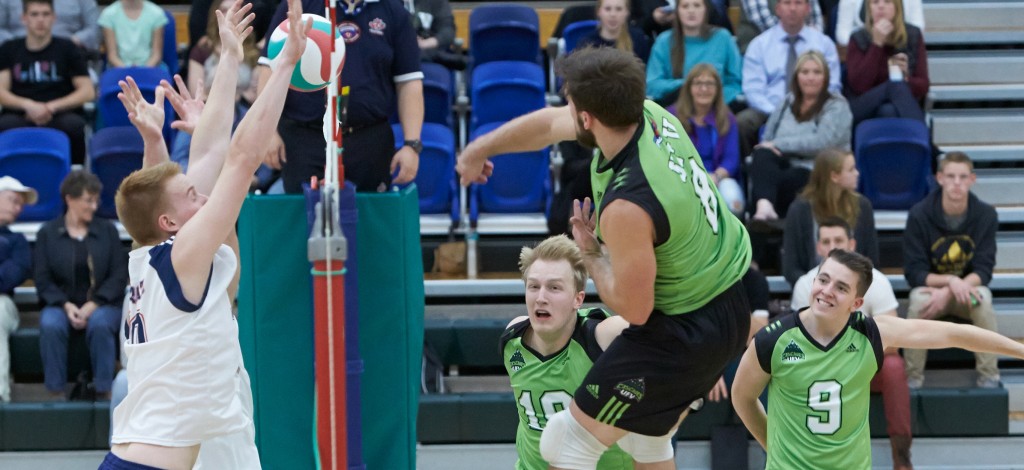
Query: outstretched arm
x=198, y=240
x=213, y=132
x=750, y=381
x=533, y=131
x=928, y=334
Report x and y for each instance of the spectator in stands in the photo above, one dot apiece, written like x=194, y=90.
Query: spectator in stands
x=133, y=33
x=692, y=40
x=15, y=267
x=76, y=20
x=712, y=129
x=198, y=19
x=81, y=271
x=831, y=192
x=44, y=80
x=614, y=30
x=435, y=31
x=756, y=18
x=383, y=75
x=810, y=120
x=835, y=233
x=887, y=65
x=852, y=15
x=949, y=252
x=554, y=345
x=769, y=63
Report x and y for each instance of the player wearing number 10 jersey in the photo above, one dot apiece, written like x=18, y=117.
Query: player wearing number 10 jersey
x=543, y=385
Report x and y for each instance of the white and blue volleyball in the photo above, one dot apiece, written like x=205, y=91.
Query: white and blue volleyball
x=313, y=72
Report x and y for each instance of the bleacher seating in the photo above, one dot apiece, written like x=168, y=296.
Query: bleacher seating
x=114, y=152
x=521, y=182
x=170, y=52
x=40, y=158
x=504, y=32
x=438, y=94
x=503, y=90
x=894, y=159
x=435, y=180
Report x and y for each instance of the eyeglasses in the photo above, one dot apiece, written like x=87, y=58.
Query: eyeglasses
x=705, y=84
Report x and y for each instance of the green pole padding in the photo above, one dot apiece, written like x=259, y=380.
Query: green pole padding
x=390, y=325
x=275, y=327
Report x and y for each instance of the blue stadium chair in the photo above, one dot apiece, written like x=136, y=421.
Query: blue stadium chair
x=504, y=32
x=521, y=183
x=894, y=159
x=114, y=152
x=574, y=32
x=40, y=158
x=170, y=54
x=435, y=181
x=501, y=91
x=438, y=93
x=112, y=113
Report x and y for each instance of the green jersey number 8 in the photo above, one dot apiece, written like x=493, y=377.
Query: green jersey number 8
x=551, y=402
x=701, y=185
x=825, y=397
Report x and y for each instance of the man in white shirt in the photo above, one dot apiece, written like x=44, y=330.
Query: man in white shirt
x=835, y=233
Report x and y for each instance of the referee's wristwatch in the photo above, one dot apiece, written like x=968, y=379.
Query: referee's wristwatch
x=416, y=145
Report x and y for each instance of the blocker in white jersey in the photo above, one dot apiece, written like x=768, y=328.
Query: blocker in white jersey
x=186, y=381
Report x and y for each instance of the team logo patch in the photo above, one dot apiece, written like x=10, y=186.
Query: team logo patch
x=792, y=352
x=851, y=348
x=377, y=26
x=516, y=362
x=632, y=389
x=349, y=31
x=592, y=390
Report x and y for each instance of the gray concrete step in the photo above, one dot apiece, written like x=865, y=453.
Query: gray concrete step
x=1000, y=186
x=974, y=22
x=978, y=126
x=990, y=153
x=975, y=67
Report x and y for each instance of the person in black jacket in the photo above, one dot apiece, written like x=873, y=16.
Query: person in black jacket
x=81, y=271
x=949, y=252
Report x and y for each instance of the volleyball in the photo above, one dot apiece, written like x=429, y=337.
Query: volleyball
x=313, y=72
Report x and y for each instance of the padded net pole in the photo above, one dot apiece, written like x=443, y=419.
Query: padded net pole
x=327, y=250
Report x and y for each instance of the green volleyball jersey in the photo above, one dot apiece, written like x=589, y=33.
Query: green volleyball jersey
x=819, y=396
x=543, y=386
x=700, y=246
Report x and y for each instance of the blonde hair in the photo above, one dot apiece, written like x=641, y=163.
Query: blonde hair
x=556, y=248
x=140, y=199
x=624, y=42
x=798, y=94
x=898, y=36
x=685, y=108
x=827, y=198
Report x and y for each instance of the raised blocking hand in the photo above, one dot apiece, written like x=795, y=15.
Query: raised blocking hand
x=188, y=105
x=295, y=45
x=234, y=26
x=148, y=118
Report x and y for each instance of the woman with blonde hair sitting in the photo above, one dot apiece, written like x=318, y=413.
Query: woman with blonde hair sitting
x=831, y=191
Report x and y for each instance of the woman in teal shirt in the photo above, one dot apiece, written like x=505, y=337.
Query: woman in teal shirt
x=692, y=40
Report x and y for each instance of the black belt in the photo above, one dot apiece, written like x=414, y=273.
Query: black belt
x=346, y=130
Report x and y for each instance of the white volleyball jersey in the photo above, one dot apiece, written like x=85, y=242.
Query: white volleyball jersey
x=186, y=380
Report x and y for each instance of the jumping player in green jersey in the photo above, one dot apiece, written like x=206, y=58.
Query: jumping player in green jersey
x=818, y=365
x=548, y=352
x=662, y=249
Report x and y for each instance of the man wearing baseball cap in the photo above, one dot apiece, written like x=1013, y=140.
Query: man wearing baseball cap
x=15, y=266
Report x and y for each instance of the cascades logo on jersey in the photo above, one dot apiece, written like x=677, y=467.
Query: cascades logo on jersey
x=852, y=348
x=516, y=362
x=633, y=389
x=792, y=352
x=592, y=389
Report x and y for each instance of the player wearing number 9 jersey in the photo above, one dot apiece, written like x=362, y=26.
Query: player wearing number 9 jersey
x=818, y=365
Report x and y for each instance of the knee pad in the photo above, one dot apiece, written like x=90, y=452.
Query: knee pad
x=565, y=443
x=648, y=449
